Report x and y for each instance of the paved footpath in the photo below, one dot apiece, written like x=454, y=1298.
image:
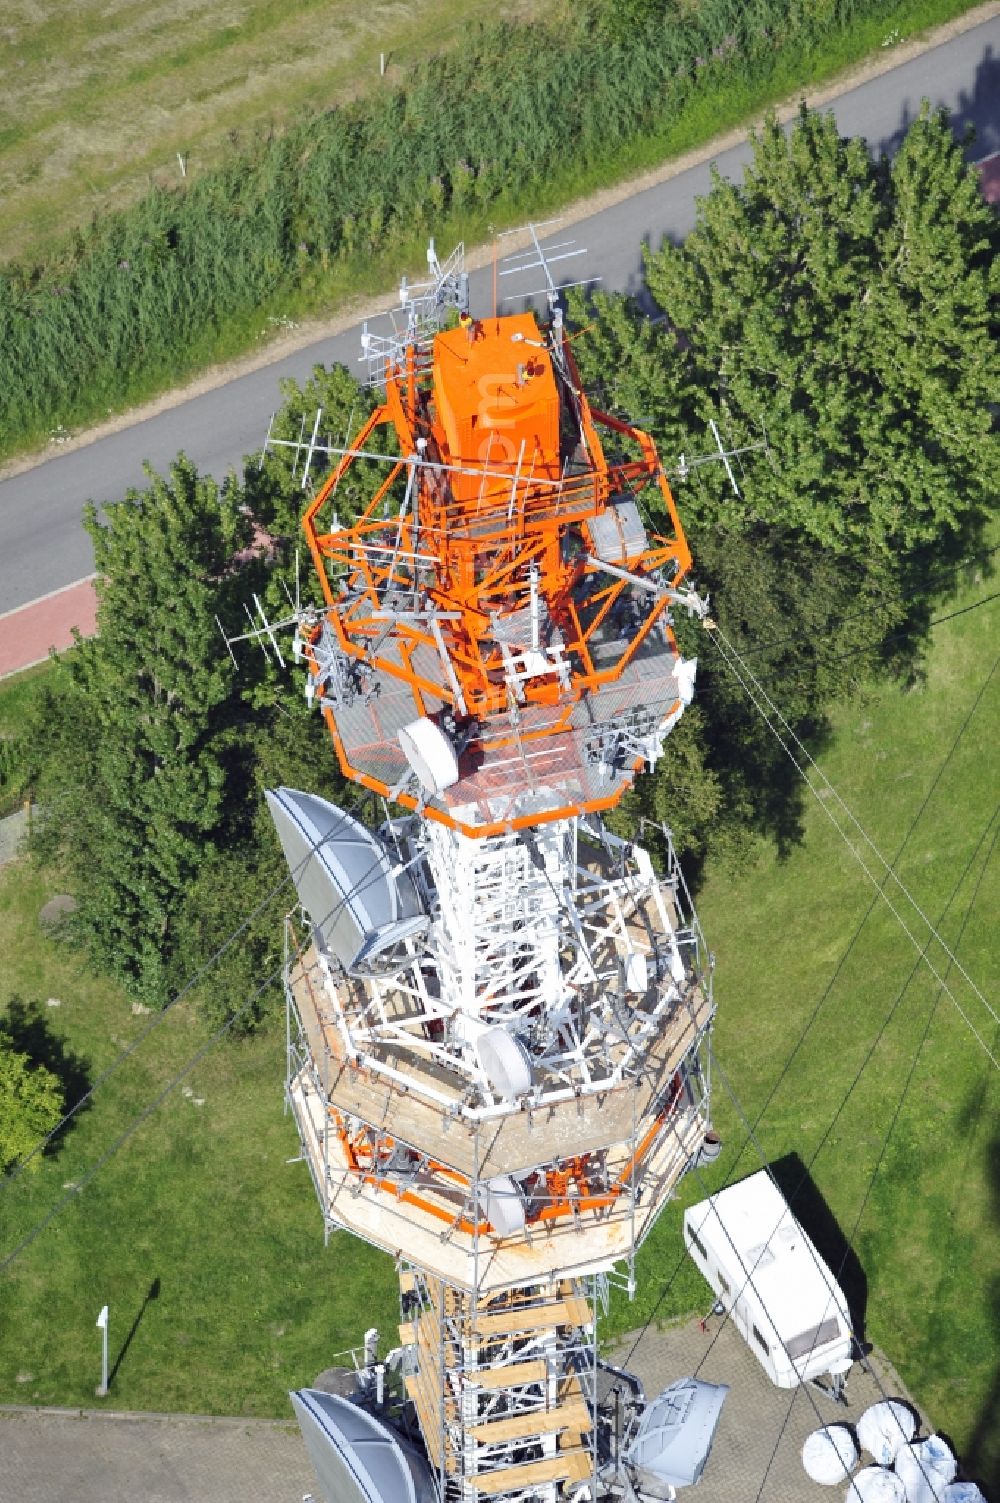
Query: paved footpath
x=29, y=632
x=68, y=1456
x=757, y=1453
x=74, y=1456
x=13, y=828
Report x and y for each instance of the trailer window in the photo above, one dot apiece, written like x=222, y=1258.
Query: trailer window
x=724, y=1282
x=810, y=1341
x=698, y=1243
x=763, y=1344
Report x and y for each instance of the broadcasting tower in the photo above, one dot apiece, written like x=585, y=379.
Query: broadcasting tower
x=499, y=1010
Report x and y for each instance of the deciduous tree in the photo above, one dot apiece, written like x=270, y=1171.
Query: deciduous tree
x=150, y=768
x=841, y=307
x=31, y=1104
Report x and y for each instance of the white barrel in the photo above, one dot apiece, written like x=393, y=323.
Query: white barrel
x=830, y=1455
x=925, y=1468
x=884, y=1427
x=963, y=1492
x=873, y=1484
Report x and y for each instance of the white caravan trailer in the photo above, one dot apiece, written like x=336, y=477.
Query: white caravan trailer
x=768, y=1275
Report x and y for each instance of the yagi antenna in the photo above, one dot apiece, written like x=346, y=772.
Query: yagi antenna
x=228, y=641
x=298, y=445
x=262, y=631
x=685, y=465
x=267, y=446
x=267, y=627
x=724, y=456
x=422, y=309
x=535, y=258
x=312, y=447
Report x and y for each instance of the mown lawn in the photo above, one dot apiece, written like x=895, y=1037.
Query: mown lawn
x=204, y=1201
x=201, y=1203
x=926, y=1229
x=99, y=98
x=105, y=103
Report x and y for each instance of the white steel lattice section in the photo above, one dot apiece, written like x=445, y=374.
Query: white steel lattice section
x=558, y=1165
x=565, y=937
x=502, y=916
x=503, y=1388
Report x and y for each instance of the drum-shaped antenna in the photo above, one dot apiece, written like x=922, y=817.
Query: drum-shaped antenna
x=430, y=754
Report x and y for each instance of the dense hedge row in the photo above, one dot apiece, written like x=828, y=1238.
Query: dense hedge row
x=126, y=302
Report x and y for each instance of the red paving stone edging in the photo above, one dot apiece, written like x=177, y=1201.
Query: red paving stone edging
x=28, y=633
x=989, y=177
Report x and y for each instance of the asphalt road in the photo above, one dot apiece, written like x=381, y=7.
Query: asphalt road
x=42, y=546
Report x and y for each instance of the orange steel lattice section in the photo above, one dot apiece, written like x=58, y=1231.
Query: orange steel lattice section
x=563, y=1191
x=470, y=587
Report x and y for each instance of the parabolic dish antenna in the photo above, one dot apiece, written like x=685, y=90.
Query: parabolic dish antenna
x=676, y=1431
x=505, y=1062
x=357, y=901
x=356, y=1459
x=504, y=1205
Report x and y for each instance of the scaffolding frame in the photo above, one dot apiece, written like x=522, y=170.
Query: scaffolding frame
x=384, y=1147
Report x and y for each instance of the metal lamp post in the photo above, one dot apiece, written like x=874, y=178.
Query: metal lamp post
x=102, y=1323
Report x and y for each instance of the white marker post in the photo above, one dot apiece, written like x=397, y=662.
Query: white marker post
x=102, y=1323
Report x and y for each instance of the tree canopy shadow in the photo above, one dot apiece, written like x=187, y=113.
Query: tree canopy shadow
x=976, y=115
x=26, y=1027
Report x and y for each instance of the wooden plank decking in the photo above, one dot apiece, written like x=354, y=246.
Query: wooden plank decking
x=568, y=1466
x=506, y=1145
x=513, y=1375
x=574, y=1417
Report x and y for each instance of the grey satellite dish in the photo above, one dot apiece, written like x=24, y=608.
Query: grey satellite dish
x=676, y=1431
x=356, y=1458
x=359, y=905
x=503, y=1205
x=505, y=1062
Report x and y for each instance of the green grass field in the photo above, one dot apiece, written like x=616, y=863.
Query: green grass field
x=927, y=1234
x=202, y=1200
x=101, y=102
x=249, y=1302
x=98, y=99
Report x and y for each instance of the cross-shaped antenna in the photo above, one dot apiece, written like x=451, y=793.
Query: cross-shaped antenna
x=544, y=260
x=685, y=465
